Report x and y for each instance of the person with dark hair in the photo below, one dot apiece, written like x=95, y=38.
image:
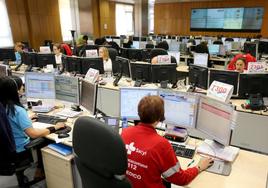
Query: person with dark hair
x=57, y=49
x=203, y=48
x=19, y=120
x=240, y=62
x=163, y=45
x=85, y=39
x=151, y=156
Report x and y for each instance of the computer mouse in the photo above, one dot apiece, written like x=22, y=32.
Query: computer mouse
x=63, y=135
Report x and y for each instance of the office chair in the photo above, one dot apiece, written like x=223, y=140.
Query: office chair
x=114, y=45
x=113, y=53
x=10, y=161
x=149, y=46
x=100, y=154
x=218, y=42
x=229, y=39
x=157, y=51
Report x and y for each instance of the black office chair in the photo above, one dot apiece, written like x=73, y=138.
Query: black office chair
x=149, y=46
x=10, y=161
x=100, y=154
x=157, y=51
x=219, y=42
x=229, y=39
x=114, y=45
x=113, y=53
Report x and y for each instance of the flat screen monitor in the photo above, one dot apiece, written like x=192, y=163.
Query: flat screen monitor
x=7, y=53
x=134, y=54
x=67, y=89
x=251, y=48
x=43, y=60
x=180, y=108
x=88, y=97
x=136, y=44
x=72, y=64
x=227, y=19
x=3, y=70
x=164, y=72
x=95, y=63
x=214, y=119
x=29, y=58
x=214, y=49
x=141, y=71
x=263, y=47
x=201, y=59
x=253, y=84
x=129, y=100
x=225, y=76
x=198, y=76
x=174, y=46
x=123, y=67
x=236, y=46
x=40, y=85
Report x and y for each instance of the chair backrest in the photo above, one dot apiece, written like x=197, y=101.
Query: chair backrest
x=150, y=46
x=112, y=53
x=100, y=154
x=157, y=51
x=7, y=145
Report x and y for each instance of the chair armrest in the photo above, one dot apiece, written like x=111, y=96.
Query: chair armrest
x=34, y=143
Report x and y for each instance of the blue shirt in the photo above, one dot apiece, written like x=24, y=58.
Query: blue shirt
x=18, y=57
x=19, y=122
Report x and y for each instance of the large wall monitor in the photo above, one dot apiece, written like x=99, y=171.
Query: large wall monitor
x=227, y=19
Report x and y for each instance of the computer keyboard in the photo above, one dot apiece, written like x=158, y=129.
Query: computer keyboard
x=184, y=151
x=49, y=119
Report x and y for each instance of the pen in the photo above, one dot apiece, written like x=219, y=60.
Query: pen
x=190, y=163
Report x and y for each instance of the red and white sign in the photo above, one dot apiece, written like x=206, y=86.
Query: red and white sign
x=256, y=67
x=164, y=59
x=91, y=53
x=220, y=91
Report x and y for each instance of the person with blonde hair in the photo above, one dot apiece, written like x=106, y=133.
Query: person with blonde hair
x=107, y=62
x=18, y=51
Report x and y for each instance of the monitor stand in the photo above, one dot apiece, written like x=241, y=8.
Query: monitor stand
x=164, y=84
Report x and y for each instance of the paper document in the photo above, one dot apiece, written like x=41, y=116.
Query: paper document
x=227, y=153
x=38, y=125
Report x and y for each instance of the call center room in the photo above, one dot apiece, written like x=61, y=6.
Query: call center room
x=133, y=93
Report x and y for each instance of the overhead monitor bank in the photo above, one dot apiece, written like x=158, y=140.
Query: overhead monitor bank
x=227, y=19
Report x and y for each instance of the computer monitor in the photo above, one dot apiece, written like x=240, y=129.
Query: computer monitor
x=123, y=67
x=214, y=49
x=29, y=58
x=72, y=64
x=40, y=85
x=201, y=59
x=136, y=44
x=251, y=48
x=164, y=72
x=183, y=48
x=198, y=76
x=222, y=51
x=214, y=119
x=263, y=46
x=180, y=108
x=135, y=54
x=7, y=53
x=236, y=46
x=225, y=76
x=3, y=70
x=129, y=100
x=253, y=84
x=95, y=63
x=67, y=89
x=88, y=97
x=141, y=71
x=43, y=60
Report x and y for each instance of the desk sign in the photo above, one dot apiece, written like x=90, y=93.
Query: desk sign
x=256, y=67
x=220, y=91
x=91, y=53
x=92, y=75
x=164, y=59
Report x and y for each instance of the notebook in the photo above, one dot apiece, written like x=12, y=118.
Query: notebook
x=227, y=153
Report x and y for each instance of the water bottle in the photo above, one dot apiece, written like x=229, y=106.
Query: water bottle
x=124, y=123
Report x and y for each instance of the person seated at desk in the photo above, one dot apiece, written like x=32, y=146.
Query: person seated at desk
x=107, y=62
x=58, y=53
x=237, y=64
x=151, y=156
x=18, y=51
x=19, y=120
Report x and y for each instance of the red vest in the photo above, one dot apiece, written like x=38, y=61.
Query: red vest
x=151, y=157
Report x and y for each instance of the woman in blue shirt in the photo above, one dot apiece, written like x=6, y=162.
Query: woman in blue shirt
x=20, y=122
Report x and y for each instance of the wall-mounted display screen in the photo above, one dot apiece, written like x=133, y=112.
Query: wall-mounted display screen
x=227, y=19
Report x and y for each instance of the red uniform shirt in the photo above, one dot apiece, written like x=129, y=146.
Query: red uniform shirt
x=151, y=156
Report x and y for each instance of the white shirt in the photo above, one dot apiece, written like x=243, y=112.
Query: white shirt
x=107, y=65
x=58, y=58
